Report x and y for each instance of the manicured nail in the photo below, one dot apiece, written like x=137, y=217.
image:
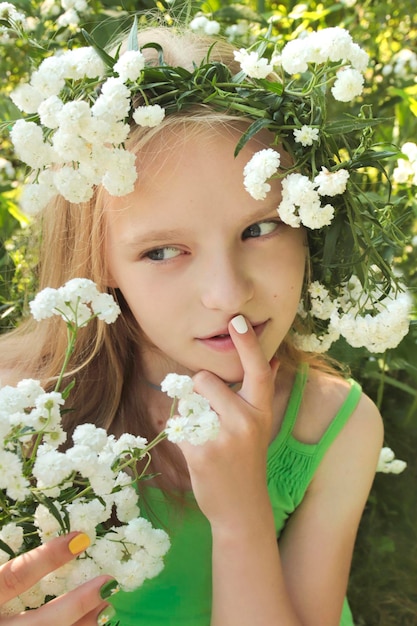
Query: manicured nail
x=79, y=543
x=106, y=615
x=109, y=589
x=239, y=324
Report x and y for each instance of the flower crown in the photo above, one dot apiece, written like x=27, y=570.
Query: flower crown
x=84, y=102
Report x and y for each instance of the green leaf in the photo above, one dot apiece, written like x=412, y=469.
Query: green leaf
x=352, y=124
x=132, y=42
x=268, y=85
x=106, y=58
x=7, y=549
x=251, y=132
x=65, y=394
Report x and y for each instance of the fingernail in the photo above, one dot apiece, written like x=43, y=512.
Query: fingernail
x=109, y=589
x=239, y=324
x=106, y=615
x=79, y=543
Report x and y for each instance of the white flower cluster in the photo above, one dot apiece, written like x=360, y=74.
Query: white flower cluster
x=196, y=422
x=373, y=321
x=388, y=464
x=79, y=489
x=77, y=302
x=72, y=8
x=406, y=170
x=329, y=45
x=252, y=64
x=77, y=146
x=301, y=198
x=202, y=24
x=258, y=170
x=9, y=13
x=403, y=65
x=306, y=135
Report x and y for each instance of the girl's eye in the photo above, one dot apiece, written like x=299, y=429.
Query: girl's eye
x=260, y=229
x=162, y=254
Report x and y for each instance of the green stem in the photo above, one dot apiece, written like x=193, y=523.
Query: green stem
x=72, y=336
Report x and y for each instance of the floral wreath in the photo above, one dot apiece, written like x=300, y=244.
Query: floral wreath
x=81, y=105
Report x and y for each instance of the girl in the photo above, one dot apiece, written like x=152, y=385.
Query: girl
x=209, y=278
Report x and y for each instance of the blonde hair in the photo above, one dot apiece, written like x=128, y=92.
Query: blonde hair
x=106, y=364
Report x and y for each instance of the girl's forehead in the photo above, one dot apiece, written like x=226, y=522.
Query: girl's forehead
x=182, y=175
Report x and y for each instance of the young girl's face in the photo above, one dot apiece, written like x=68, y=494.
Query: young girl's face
x=190, y=249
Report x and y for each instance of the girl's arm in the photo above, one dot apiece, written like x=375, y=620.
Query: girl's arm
x=302, y=582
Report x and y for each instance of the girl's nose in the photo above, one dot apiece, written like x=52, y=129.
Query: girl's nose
x=227, y=286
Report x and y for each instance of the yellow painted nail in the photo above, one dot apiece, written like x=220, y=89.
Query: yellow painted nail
x=79, y=543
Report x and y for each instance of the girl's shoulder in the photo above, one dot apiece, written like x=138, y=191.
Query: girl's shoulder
x=323, y=398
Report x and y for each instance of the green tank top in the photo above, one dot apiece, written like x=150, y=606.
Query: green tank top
x=181, y=594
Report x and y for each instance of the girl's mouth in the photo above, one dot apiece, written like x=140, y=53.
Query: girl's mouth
x=223, y=341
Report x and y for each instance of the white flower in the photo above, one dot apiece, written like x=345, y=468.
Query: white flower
x=378, y=332
x=288, y=213
x=258, y=170
x=11, y=476
x=73, y=117
x=121, y=174
x=203, y=24
x=27, y=138
x=306, y=135
x=69, y=147
x=12, y=535
x=86, y=515
x=252, y=64
x=177, y=386
x=315, y=343
x=114, y=100
x=358, y=57
x=388, y=464
x=105, y=307
x=126, y=504
x=82, y=289
x=26, y=98
x=151, y=115
x=49, y=110
x=49, y=79
x=51, y=467
x=315, y=215
x=73, y=184
x=69, y=18
x=176, y=429
x=294, y=57
x=331, y=183
x=48, y=525
x=80, y=63
x=197, y=422
x=130, y=65
x=91, y=436
x=348, y=85
x=128, y=442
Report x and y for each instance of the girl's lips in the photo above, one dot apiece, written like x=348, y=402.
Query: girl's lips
x=223, y=341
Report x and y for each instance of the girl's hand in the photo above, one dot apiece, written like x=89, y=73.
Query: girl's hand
x=83, y=606
x=228, y=475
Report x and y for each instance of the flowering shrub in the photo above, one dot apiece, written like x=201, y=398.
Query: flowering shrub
x=90, y=486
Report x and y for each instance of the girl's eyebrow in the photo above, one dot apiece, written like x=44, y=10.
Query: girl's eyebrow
x=172, y=234
x=151, y=236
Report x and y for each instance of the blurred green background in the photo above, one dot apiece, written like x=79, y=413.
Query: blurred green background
x=383, y=585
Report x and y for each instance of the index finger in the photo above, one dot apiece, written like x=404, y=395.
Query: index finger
x=25, y=570
x=258, y=373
